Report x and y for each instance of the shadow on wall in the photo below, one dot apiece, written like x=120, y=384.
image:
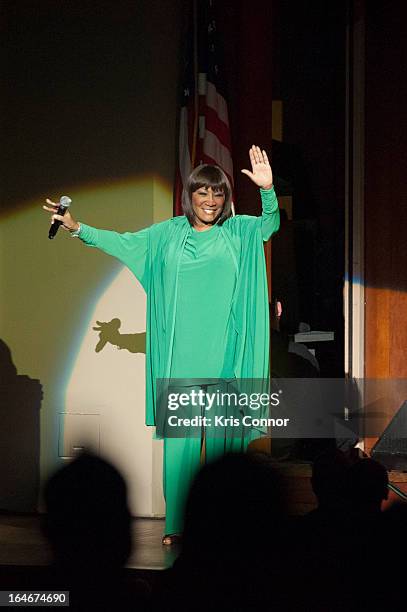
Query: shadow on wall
x=109, y=334
x=20, y=405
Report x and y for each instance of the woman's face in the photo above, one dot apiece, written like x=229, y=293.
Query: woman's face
x=207, y=206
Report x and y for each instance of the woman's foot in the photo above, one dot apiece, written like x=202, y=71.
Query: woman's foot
x=171, y=538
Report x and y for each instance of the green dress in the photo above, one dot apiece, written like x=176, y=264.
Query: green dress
x=207, y=317
x=203, y=321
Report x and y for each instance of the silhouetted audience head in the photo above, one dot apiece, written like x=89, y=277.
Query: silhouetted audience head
x=88, y=520
x=233, y=533
x=396, y=521
x=329, y=478
x=368, y=485
x=232, y=503
x=7, y=367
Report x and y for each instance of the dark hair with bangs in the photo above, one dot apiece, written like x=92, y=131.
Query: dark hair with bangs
x=206, y=176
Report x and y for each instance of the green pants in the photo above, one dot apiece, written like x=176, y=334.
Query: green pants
x=183, y=458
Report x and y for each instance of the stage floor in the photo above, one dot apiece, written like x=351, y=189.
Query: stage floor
x=22, y=543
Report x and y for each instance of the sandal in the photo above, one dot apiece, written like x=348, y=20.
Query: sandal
x=171, y=538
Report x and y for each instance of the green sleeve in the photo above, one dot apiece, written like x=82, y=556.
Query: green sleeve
x=270, y=217
x=131, y=248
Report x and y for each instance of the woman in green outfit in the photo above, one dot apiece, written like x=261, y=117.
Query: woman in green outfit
x=207, y=304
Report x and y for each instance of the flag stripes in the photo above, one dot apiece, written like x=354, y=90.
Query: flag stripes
x=204, y=134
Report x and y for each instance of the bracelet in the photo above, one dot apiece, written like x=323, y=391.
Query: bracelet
x=76, y=233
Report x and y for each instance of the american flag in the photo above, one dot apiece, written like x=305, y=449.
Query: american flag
x=204, y=135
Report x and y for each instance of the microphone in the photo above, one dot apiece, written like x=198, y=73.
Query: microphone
x=64, y=203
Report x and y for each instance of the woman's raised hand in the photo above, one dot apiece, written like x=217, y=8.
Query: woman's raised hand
x=68, y=222
x=261, y=173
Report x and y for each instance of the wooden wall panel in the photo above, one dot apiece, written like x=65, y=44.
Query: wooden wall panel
x=398, y=332
x=385, y=195
x=377, y=339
